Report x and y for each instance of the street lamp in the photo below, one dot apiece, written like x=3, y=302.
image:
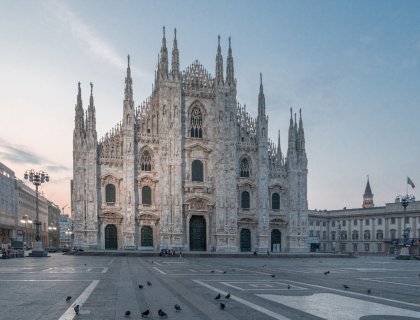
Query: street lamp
x=37, y=178
x=25, y=219
x=405, y=200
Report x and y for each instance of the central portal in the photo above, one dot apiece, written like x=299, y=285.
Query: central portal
x=197, y=233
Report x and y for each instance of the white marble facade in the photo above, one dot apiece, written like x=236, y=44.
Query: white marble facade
x=188, y=168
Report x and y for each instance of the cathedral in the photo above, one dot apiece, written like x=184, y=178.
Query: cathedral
x=189, y=168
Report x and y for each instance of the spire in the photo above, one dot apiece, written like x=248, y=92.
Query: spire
x=301, y=134
x=79, y=113
x=91, y=118
x=368, y=196
x=175, y=58
x=219, y=64
x=291, y=148
x=278, y=146
x=128, y=92
x=261, y=99
x=230, y=74
x=163, y=63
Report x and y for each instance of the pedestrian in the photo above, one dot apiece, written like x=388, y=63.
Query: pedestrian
x=255, y=252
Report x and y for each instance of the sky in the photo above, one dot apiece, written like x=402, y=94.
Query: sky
x=353, y=67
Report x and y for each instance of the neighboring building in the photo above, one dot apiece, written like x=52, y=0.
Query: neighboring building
x=370, y=230
x=66, y=231
x=189, y=168
x=8, y=205
x=53, y=225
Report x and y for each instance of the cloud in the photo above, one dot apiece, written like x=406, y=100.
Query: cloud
x=18, y=154
x=84, y=33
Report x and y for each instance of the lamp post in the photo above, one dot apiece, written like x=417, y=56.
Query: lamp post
x=405, y=200
x=25, y=219
x=37, y=178
x=339, y=238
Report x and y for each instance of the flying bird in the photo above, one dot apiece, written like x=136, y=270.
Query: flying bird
x=127, y=313
x=68, y=298
x=327, y=272
x=218, y=297
x=177, y=307
x=222, y=306
x=77, y=309
x=149, y=283
x=228, y=296
x=144, y=314
x=162, y=314
x=345, y=286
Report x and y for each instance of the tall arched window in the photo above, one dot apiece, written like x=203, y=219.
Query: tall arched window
x=146, y=161
x=245, y=200
x=197, y=170
x=366, y=235
x=333, y=235
x=393, y=234
x=196, y=130
x=110, y=193
x=275, y=201
x=379, y=235
x=244, y=166
x=355, y=235
x=146, y=195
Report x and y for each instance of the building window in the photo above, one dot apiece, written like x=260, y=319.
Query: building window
x=146, y=195
x=317, y=234
x=332, y=223
x=245, y=200
x=197, y=170
x=196, y=130
x=343, y=247
x=244, y=166
x=344, y=223
x=324, y=223
x=317, y=223
x=275, y=201
x=366, y=246
x=333, y=235
x=366, y=235
x=392, y=220
x=355, y=222
x=311, y=233
x=146, y=161
x=343, y=235
x=393, y=234
x=311, y=222
x=379, y=235
x=379, y=221
x=110, y=193
x=379, y=247
x=366, y=222
x=324, y=235
x=355, y=247
x=406, y=220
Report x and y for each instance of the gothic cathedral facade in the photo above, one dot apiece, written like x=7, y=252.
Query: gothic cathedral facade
x=188, y=168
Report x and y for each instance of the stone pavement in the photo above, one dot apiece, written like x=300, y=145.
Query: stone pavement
x=106, y=286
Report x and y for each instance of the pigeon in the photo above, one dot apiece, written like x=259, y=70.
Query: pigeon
x=127, y=313
x=68, y=298
x=177, y=307
x=140, y=286
x=273, y=276
x=212, y=271
x=228, y=295
x=345, y=286
x=222, y=306
x=369, y=291
x=224, y=271
x=327, y=272
x=288, y=286
x=153, y=261
x=233, y=269
x=149, y=283
x=144, y=314
x=77, y=309
x=85, y=263
x=162, y=314
x=218, y=297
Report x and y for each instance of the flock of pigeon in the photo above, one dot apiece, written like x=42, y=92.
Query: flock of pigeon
x=346, y=287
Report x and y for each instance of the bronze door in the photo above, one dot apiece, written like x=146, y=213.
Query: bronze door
x=245, y=240
x=146, y=236
x=197, y=233
x=111, y=242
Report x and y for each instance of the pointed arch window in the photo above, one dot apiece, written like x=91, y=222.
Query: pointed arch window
x=244, y=166
x=197, y=170
x=146, y=195
x=275, y=201
x=146, y=161
x=245, y=201
x=110, y=193
x=196, y=130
